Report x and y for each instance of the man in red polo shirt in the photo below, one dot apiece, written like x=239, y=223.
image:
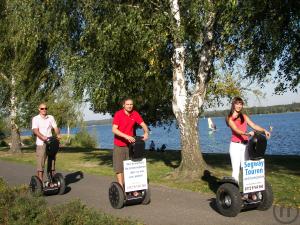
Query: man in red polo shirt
x=123, y=128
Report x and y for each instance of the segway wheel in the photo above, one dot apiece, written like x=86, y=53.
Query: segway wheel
x=228, y=200
x=147, y=197
x=116, y=195
x=36, y=186
x=267, y=198
x=60, y=180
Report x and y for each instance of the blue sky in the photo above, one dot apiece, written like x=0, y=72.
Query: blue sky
x=270, y=99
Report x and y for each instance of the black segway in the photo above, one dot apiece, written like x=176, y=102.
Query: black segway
x=54, y=184
x=257, y=192
x=135, y=178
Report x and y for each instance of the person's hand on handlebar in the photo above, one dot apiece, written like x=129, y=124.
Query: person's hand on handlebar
x=250, y=134
x=268, y=134
x=146, y=136
x=130, y=139
x=44, y=138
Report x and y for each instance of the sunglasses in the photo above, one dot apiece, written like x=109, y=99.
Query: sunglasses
x=43, y=108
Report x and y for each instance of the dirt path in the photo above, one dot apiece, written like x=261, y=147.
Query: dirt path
x=168, y=206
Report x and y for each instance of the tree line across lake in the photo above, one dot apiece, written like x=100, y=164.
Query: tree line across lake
x=294, y=107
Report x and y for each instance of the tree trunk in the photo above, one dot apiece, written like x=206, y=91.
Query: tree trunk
x=192, y=164
x=15, y=146
x=68, y=134
x=186, y=107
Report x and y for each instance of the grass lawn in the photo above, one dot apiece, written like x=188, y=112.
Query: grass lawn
x=283, y=172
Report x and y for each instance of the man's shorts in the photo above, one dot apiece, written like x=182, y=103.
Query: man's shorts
x=119, y=155
x=41, y=158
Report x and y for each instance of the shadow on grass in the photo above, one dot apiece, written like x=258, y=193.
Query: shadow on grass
x=169, y=158
x=78, y=149
x=212, y=181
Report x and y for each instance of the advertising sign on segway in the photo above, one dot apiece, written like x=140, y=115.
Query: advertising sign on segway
x=254, y=176
x=135, y=175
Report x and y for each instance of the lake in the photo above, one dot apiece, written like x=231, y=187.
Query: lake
x=284, y=140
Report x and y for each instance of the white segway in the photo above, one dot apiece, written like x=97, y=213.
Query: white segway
x=135, y=178
x=257, y=192
x=54, y=184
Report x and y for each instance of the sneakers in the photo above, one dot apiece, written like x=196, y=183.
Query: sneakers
x=135, y=194
x=245, y=196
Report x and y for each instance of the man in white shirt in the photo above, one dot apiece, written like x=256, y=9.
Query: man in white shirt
x=42, y=126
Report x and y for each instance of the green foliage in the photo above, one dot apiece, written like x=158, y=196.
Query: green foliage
x=17, y=206
x=84, y=139
x=3, y=143
x=28, y=140
x=122, y=56
x=4, y=131
x=127, y=47
x=265, y=34
x=36, y=37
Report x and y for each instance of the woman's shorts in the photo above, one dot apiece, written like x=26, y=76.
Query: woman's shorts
x=119, y=155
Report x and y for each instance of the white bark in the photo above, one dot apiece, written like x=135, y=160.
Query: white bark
x=68, y=133
x=179, y=82
x=13, y=105
x=4, y=77
x=205, y=64
x=186, y=107
x=15, y=134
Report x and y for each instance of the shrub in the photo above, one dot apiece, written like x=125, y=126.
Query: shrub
x=17, y=206
x=29, y=141
x=3, y=143
x=84, y=139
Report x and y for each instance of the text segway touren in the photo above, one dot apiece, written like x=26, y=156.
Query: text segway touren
x=137, y=189
x=54, y=184
x=257, y=191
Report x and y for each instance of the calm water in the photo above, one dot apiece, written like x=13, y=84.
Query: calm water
x=284, y=140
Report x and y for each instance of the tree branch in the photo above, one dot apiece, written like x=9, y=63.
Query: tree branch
x=3, y=77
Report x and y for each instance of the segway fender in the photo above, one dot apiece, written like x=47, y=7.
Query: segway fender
x=230, y=180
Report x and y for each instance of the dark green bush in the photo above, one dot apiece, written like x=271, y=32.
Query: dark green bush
x=84, y=139
x=3, y=143
x=29, y=141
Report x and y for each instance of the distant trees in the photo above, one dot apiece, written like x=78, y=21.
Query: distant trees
x=294, y=107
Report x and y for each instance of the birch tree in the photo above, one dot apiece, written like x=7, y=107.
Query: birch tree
x=181, y=48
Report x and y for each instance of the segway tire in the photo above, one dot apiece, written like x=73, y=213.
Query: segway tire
x=36, y=186
x=59, y=178
x=228, y=200
x=116, y=195
x=267, y=198
x=147, y=197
